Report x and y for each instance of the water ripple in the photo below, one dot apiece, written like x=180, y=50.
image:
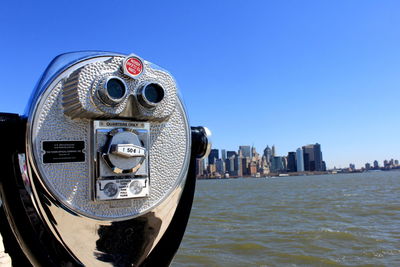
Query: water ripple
x=331, y=220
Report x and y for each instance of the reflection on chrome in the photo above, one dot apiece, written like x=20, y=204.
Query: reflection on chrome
x=105, y=170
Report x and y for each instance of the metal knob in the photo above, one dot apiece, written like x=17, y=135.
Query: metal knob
x=124, y=152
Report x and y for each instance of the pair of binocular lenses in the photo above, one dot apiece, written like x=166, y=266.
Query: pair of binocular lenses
x=114, y=91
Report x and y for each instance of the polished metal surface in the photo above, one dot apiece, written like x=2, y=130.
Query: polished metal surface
x=70, y=182
x=123, y=152
x=208, y=139
x=62, y=193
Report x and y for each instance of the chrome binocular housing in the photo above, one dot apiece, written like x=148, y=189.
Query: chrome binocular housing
x=101, y=167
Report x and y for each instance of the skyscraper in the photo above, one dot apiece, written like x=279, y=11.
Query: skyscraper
x=291, y=162
x=223, y=154
x=220, y=166
x=246, y=151
x=318, y=157
x=229, y=154
x=277, y=164
x=299, y=160
x=268, y=154
x=199, y=167
x=367, y=166
x=239, y=166
x=376, y=164
x=312, y=157
x=308, y=157
x=214, y=155
x=230, y=165
x=245, y=169
x=273, y=151
x=253, y=152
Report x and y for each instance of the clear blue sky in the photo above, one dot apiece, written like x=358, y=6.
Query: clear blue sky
x=287, y=73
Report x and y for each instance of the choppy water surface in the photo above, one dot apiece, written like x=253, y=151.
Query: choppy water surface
x=328, y=220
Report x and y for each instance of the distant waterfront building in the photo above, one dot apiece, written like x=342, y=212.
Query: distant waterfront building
x=291, y=162
x=230, y=165
x=376, y=164
x=386, y=163
x=396, y=162
x=253, y=168
x=239, y=166
x=246, y=151
x=268, y=154
x=199, y=167
x=211, y=168
x=254, y=154
x=245, y=166
x=223, y=154
x=230, y=154
x=264, y=167
x=284, y=162
x=220, y=166
x=312, y=157
x=273, y=151
x=214, y=155
x=323, y=166
x=367, y=166
x=308, y=155
x=277, y=164
x=352, y=167
x=300, y=160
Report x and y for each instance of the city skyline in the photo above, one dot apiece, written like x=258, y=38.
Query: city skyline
x=282, y=72
x=378, y=162
x=248, y=162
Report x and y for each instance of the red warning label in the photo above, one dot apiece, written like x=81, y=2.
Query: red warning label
x=133, y=66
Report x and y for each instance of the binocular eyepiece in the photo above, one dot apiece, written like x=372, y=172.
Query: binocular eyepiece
x=101, y=169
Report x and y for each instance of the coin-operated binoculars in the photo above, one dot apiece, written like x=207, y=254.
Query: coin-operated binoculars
x=101, y=169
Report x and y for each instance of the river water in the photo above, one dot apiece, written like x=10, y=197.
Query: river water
x=327, y=220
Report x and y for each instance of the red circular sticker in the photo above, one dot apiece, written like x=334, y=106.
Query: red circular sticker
x=133, y=66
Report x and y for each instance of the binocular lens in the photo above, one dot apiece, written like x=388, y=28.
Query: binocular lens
x=115, y=88
x=112, y=91
x=154, y=93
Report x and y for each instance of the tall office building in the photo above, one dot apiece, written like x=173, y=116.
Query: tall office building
x=239, y=166
x=246, y=151
x=199, y=167
x=277, y=164
x=230, y=154
x=291, y=162
x=245, y=166
x=376, y=164
x=220, y=166
x=268, y=154
x=318, y=157
x=312, y=157
x=230, y=165
x=223, y=154
x=308, y=156
x=273, y=151
x=299, y=160
x=214, y=155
